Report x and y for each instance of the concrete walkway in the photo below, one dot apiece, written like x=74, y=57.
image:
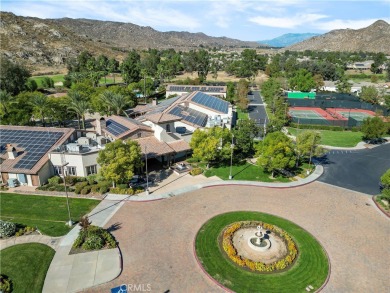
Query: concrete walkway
x=47, y=240
x=178, y=188
x=72, y=273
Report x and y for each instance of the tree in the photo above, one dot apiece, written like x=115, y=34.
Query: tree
x=131, y=67
x=78, y=105
x=113, y=66
x=40, y=106
x=374, y=127
x=202, y=59
x=19, y=109
x=119, y=159
x=13, y=77
x=379, y=59
x=343, y=85
x=276, y=152
x=5, y=100
x=388, y=71
x=369, y=94
x=31, y=85
x=244, y=133
x=150, y=62
x=307, y=145
x=211, y=144
x=319, y=82
x=47, y=82
x=302, y=80
x=242, y=94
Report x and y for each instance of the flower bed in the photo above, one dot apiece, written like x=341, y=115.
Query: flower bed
x=228, y=247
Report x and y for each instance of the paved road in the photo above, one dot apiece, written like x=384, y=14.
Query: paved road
x=358, y=170
x=256, y=108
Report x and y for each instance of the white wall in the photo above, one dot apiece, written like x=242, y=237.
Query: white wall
x=45, y=173
x=80, y=161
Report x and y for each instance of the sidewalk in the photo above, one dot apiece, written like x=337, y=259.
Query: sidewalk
x=186, y=184
x=72, y=273
x=47, y=240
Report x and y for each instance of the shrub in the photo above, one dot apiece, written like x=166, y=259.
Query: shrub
x=43, y=187
x=92, y=179
x=5, y=284
x=79, y=186
x=86, y=190
x=123, y=186
x=104, y=189
x=71, y=180
x=7, y=229
x=55, y=180
x=93, y=242
x=95, y=188
x=84, y=223
x=118, y=190
x=196, y=171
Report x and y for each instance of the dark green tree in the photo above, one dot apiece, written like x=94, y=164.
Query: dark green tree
x=374, y=127
x=13, y=77
x=244, y=133
x=302, y=80
x=131, y=67
x=202, y=64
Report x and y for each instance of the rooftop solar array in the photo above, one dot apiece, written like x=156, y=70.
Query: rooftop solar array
x=213, y=89
x=190, y=115
x=115, y=128
x=211, y=102
x=35, y=143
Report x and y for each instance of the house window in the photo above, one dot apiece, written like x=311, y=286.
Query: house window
x=71, y=171
x=58, y=170
x=91, y=169
x=139, y=134
x=168, y=127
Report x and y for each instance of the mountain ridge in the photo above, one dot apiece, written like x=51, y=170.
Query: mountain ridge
x=288, y=39
x=373, y=38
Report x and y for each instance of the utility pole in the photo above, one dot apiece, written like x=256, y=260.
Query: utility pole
x=146, y=170
x=70, y=223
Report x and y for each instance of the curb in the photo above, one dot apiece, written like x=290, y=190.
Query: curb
x=379, y=207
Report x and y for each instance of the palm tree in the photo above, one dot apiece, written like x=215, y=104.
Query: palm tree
x=40, y=105
x=5, y=100
x=119, y=103
x=75, y=106
x=80, y=107
x=107, y=98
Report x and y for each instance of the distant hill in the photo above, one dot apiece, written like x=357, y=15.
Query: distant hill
x=288, y=39
x=50, y=42
x=374, y=38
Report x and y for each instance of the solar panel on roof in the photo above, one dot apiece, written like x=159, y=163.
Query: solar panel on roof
x=35, y=143
x=190, y=115
x=211, y=102
x=115, y=128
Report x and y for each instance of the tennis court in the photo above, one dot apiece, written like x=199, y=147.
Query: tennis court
x=305, y=114
x=359, y=116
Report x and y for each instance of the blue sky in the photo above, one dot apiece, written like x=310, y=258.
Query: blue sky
x=244, y=20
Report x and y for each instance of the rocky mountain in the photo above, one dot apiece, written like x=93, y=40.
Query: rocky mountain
x=374, y=38
x=287, y=39
x=50, y=42
x=125, y=35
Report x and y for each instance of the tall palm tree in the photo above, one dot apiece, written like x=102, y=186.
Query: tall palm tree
x=80, y=107
x=119, y=103
x=107, y=98
x=75, y=97
x=40, y=106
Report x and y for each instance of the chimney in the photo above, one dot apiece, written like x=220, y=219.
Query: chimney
x=154, y=102
x=100, y=125
x=12, y=153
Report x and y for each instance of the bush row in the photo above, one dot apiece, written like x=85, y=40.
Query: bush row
x=319, y=127
x=228, y=247
x=196, y=171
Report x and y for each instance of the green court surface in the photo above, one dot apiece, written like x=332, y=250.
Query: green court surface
x=305, y=114
x=355, y=115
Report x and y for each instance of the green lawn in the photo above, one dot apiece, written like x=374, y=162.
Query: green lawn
x=26, y=265
x=55, y=78
x=48, y=213
x=242, y=114
x=310, y=268
x=335, y=138
x=243, y=172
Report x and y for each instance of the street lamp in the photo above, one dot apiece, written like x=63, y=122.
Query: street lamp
x=70, y=223
x=146, y=170
x=231, y=158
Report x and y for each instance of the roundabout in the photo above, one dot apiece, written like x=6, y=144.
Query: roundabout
x=336, y=218
x=229, y=247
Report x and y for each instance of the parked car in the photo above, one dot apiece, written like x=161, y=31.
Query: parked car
x=137, y=181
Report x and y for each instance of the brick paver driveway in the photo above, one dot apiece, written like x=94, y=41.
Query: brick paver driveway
x=156, y=238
